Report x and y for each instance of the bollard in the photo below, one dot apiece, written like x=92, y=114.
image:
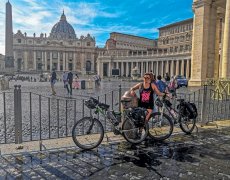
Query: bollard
x=203, y=108
x=18, y=114
x=119, y=97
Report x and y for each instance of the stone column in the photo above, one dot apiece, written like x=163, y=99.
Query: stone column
x=217, y=47
x=152, y=68
x=74, y=63
x=200, y=40
x=26, y=60
x=226, y=43
x=172, y=68
x=127, y=69
x=117, y=65
x=162, y=68
x=221, y=52
x=147, y=66
x=67, y=61
x=63, y=61
x=187, y=69
x=122, y=68
x=51, y=61
x=58, y=66
x=157, y=68
x=167, y=67
x=109, y=69
x=99, y=67
x=182, y=67
x=35, y=62
x=211, y=41
x=45, y=65
x=142, y=68
x=43, y=60
x=177, y=67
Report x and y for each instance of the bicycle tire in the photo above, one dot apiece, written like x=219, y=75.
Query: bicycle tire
x=153, y=129
x=82, y=140
x=135, y=135
x=189, y=129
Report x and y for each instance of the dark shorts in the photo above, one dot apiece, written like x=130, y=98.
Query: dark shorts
x=146, y=105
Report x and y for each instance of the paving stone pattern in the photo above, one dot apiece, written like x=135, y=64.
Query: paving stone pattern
x=199, y=156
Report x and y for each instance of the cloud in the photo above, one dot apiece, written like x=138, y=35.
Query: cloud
x=97, y=17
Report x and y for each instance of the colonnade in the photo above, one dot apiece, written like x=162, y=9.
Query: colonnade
x=158, y=67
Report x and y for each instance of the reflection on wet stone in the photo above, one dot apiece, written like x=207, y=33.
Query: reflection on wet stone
x=204, y=155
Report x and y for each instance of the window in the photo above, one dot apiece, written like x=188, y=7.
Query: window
x=88, y=56
x=19, y=40
x=176, y=49
x=88, y=44
x=55, y=55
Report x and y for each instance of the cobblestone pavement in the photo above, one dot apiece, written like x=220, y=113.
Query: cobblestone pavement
x=204, y=155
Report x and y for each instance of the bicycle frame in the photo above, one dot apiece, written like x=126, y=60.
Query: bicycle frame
x=168, y=109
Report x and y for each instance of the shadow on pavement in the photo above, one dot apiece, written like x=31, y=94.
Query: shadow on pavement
x=202, y=156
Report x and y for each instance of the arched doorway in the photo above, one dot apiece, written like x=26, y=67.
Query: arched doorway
x=19, y=64
x=88, y=66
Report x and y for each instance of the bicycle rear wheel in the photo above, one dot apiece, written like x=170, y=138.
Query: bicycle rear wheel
x=160, y=126
x=187, y=125
x=134, y=134
x=88, y=133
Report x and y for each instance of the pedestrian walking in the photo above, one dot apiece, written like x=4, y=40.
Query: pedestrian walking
x=76, y=84
x=167, y=79
x=97, y=80
x=172, y=86
x=161, y=84
x=53, y=80
x=70, y=82
x=65, y=81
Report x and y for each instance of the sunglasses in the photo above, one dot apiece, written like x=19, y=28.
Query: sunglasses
x=146, y=77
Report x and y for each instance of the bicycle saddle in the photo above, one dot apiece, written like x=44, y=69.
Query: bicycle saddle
x=103, y=106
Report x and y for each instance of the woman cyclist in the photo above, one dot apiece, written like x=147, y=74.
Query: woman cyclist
x=146, y=90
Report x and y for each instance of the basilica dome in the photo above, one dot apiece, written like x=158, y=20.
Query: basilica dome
x=62, y=29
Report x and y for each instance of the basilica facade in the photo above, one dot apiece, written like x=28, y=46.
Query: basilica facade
x=61, y=50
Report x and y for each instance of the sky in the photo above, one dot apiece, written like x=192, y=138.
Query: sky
x=96, y=17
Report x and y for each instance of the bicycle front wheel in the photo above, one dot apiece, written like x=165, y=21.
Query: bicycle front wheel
x=160, y=126
x=187, y=125
x=88, y=133
x=134, y=134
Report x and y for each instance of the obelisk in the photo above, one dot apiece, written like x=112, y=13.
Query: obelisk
x=9, y=56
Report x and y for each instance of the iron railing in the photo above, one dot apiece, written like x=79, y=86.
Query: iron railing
x=27, y=116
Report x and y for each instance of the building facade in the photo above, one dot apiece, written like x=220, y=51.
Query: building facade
x=211, y=40
x=170, y=53
x=61, y=50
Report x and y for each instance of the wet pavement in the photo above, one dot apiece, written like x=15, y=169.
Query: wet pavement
x=203, y=155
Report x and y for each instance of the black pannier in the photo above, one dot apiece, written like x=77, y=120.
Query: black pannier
x=138, y=115
x=191, y=110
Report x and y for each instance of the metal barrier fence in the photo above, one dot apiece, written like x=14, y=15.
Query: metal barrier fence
x=27, y=116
